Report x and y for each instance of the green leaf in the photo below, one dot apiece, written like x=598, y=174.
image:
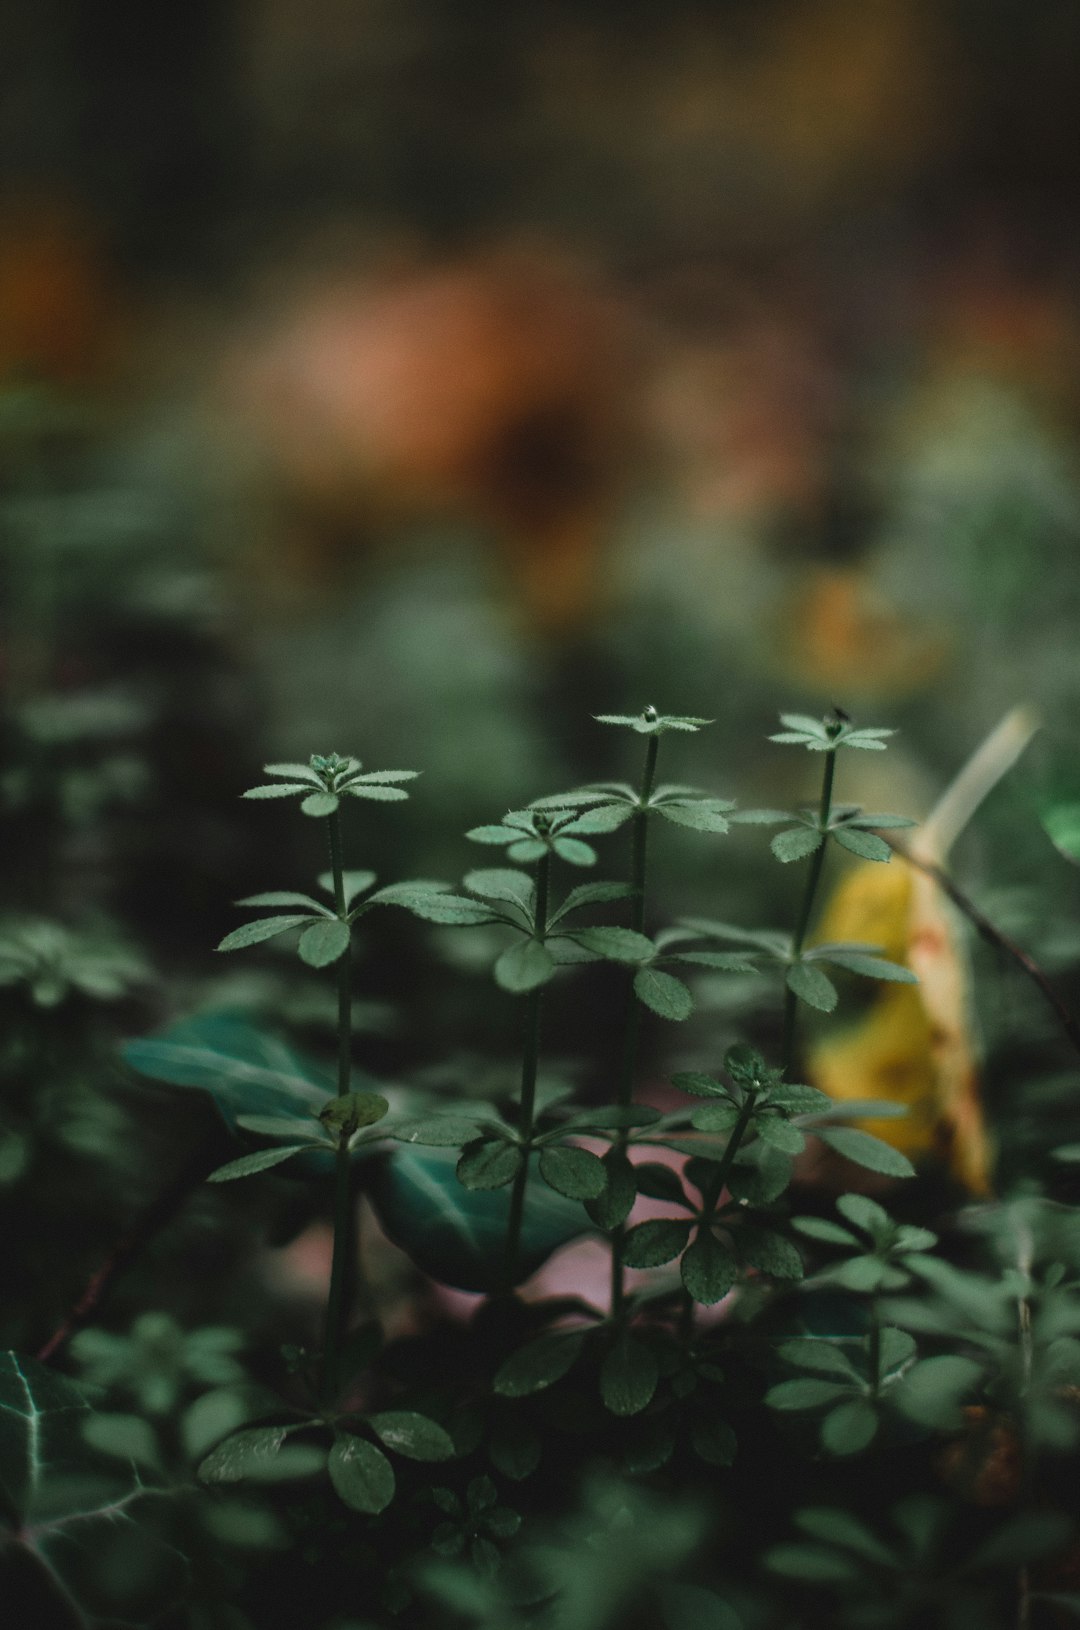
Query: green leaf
x=814, y=1564
x=628, y=1376
x=760, y=1174
x=866, y=1150
x=862, y=1274
x=653, y=1243
x=897, y=1347
x=572, y=850
x=246, y=1070
x=278, y=789
x=320, y=803
x=796, y=1099
x=452, y=909
x=713, y=1440
x=865, y=1213
x=576, y=798
x=722, y=961
x=260, y=1454
x=839, y=1528
x=715, y=1117
x=769, y=1252
x=591, y=894
x=871, y=821
x=819, y=1354
x=701, y=815
x=599, y=820
x=514, y=1447
x=1062, y=826
x=1021, y=1538
x=503, y=883
x=691, y=1607
x=611, y=1208
x=796, y=843
x=779, y=1133
x=413, y=1435
x=489, y=1165
x=934, y=1390
x=492, y=834
x=282, y=1126
x=71, y=1513
x=361, y=1474
x=573, y=1172
x=458, y=1235
x=437, y=1131
x=616, y=944
x=702, y=1086
x=821, y=1228
x=847, y=1429
x=539, y=1363
x=378, y=794
x=524, y=966
x=294, y=772
x=707, y=1269
x=349, y=1112
x=805, y=724
x=663, y=993
x=263, y=928
x=285, y=897
x=872, y=967
x=806, y=1393
x=324, y=943
x=248, y=1165
x=867, y=845
x=812, y=986
x=378, y=778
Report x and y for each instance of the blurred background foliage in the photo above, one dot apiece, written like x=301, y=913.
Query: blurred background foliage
x=413, y=380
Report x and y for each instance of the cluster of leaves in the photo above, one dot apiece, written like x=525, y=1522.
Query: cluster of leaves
x=54, y=962
x=915, y=1349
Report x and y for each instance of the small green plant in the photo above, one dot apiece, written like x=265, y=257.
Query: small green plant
x=556, y=1460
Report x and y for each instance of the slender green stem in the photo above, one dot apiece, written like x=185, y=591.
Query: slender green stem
x=530, y=1059
x=337, y=1304
x=710, y=1198
x=791, y=1001
x=625, y=1087
x=873, y=1349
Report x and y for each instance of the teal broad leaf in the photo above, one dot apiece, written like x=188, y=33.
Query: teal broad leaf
x=457, y=1235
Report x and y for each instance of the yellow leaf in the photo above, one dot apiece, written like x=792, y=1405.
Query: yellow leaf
x=915, y=1044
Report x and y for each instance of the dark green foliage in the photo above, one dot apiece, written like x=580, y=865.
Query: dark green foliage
x=737, y=1358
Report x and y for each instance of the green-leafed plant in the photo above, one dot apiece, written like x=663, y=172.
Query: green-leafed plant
x=669, y=1450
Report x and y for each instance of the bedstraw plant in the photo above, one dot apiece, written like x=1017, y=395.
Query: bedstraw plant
x=649, y=1456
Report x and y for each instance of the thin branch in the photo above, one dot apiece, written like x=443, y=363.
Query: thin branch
x=132, y=1244
x=994, y=936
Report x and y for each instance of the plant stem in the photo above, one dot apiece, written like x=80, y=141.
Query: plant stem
x=710, y=1198
x=791, y=1001
x=727, y=1159
x=873, y=1349
x=337, y=1303
x=994, y=936
x=527, y=1111
x=625, y=1087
